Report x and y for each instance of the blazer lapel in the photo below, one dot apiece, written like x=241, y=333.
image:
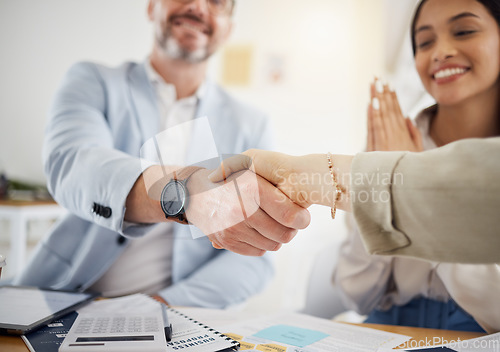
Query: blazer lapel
x=143, y=101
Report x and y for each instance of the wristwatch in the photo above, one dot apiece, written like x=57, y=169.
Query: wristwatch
x=174, y=196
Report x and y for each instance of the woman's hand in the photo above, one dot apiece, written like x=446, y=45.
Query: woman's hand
x=306, y=179
x=388, y=129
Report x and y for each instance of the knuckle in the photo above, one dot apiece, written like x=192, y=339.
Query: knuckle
x=288, y=235
x=227, y=241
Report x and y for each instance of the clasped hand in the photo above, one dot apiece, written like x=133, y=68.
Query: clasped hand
x=300, y=180
x=388, y=129
x=244, y=213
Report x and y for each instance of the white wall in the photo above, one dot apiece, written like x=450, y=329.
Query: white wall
x=39, y=41
x=331, y=50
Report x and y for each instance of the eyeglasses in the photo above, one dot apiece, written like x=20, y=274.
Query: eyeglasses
x=216, y=7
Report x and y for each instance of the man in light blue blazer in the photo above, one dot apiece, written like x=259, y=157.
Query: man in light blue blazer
x=116, y=240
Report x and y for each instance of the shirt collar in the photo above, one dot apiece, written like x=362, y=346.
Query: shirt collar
x=158, y=81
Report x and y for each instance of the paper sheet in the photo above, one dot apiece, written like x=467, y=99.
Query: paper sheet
x=219, y=318
x=138, y=303
x=299, y=333
x=490, y=343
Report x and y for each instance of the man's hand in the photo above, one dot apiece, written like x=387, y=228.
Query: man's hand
x=243, y=213
x=388, y=129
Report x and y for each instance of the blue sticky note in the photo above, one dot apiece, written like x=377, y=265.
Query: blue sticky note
x=291, y=335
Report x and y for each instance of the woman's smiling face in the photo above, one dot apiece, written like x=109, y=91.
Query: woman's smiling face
x=457, y=50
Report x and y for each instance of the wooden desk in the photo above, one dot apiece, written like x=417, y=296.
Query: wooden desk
x=12, y=344
x=19, y=213
x=16, y=344
x=421, y=336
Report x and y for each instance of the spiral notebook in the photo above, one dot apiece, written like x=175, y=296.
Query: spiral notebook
x=193, y=336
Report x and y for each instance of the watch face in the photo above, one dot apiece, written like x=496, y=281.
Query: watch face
x=173, y=198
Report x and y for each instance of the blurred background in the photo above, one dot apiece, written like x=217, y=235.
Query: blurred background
x=308, y=64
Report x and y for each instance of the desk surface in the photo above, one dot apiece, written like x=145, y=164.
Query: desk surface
x=25, y=203
x=425, y=337
x=16, y=344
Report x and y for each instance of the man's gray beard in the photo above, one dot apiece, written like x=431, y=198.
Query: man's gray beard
x=173, y=50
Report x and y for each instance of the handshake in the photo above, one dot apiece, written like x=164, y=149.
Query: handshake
x=257, y=201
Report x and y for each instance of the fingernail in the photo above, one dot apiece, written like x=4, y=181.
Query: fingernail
x=376, y=104
x=378, y=86
x=302, y=220
x=391, y=87
x=211, y=175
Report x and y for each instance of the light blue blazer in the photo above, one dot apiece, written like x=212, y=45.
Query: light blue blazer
x=98, y=122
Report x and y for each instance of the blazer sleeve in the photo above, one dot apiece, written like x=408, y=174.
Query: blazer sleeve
x=86, y=173
x=440, y=205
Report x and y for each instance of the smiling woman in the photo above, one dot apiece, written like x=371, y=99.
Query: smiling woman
x=456, y=44
x=457, y=54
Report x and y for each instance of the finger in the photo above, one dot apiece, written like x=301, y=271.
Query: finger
x=216, y=245
x=384, y=110
x=229, y=166
x=381, y=102
x=256, y=239
x=279, y=207
x=272, y=230
x=391, y=110
x=232, y=242
x=387, y=111
x=398, y=114
x=378, y=88
x=369, y=128
x=373, y=89
x=379, y=135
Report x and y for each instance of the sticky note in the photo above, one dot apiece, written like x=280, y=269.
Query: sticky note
x=246, y=346
x=291, y=335
x=270, y=347
x=233, y=336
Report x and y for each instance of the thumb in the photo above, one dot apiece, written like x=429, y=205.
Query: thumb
x=229, y=166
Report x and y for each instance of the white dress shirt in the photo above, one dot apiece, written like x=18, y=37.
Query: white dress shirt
x=368, y=282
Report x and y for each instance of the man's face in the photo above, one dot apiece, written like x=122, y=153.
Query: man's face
x=188, y=30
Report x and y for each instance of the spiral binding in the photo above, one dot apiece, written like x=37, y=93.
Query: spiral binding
x=235, y=344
